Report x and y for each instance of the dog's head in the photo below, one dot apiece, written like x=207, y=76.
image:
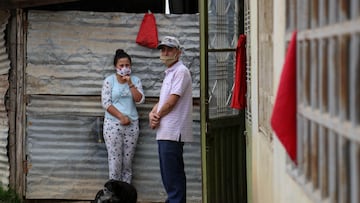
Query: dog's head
x=115, y=191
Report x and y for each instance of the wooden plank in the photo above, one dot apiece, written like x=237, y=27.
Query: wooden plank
x=314, y=99
x=333, y=11
x=300, y=73
x=265, y=61
x=323, y=76
x=307, y=72
x=343, y=77
x=333, y=157
x=343, y=172
x=314, y=18
x=323, y=12
x=327, y=83
x=333, y=75
x=20, y=104
x=313, y=75
x=323, y=162
x=12, y=111
x=355, y=9
x=344, y=10
x=333, y=30
x=331, y=122
x=323, y=106
x=314, y=154
x=290, y=15
x=303, y=14
x=354, y=80
x=300, y=144
x=354, y=173
x=307, y=147
x=354, y=69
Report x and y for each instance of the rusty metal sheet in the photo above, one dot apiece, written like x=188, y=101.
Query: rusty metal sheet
x=68, y=56
x=67, y=158
x=71, y=52
x=4, y=120
x=4, y=129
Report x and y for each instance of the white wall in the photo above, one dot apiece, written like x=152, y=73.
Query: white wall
x=271, y=183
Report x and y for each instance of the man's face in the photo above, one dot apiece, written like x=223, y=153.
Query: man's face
x=169, y=51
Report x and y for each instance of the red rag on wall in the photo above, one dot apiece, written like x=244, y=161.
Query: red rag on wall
x=283, y=119
x=238, y=100
x=148, y=35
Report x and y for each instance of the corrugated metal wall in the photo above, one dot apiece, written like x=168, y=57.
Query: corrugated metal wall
x=69, y=53
x=4, y=85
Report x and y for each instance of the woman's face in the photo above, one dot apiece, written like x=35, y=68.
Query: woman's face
x=122, y=63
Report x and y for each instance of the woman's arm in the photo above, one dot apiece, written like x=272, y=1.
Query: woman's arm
x=135, y=89
x=124, y=120
x=106, y=102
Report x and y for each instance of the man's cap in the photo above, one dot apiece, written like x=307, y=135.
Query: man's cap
x=169, y=42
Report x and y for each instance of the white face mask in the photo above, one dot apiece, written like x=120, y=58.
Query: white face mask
x=123, y=71
x=168, y=60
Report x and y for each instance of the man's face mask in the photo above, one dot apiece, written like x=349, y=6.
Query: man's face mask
x=168, y=60
x=123, y=71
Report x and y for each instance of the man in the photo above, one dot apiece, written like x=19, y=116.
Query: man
x=172, y=118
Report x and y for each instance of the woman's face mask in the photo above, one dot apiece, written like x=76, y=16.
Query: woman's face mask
x=123, y=71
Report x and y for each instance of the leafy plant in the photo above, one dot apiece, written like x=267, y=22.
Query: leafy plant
x=9, y=196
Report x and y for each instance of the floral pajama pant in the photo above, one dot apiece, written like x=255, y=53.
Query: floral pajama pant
x=120, y=143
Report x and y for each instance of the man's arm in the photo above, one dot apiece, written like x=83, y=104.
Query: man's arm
x=168, y=105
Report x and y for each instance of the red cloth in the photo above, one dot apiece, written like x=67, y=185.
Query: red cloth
x=238, y=100
x=148, y=35
x=283, y=119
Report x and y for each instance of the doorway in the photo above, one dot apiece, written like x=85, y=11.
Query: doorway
x=223, y=140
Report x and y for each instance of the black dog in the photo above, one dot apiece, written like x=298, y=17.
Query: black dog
x=116, y=192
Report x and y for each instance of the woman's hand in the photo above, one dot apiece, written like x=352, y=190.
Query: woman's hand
x=127, y=78
x=124, y=120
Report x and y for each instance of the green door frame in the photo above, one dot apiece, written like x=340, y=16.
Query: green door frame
x=203, y=8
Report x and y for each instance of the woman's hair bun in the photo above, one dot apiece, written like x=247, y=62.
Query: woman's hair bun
x=120, y=51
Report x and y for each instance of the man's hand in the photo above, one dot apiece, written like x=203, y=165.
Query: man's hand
x=154, y=120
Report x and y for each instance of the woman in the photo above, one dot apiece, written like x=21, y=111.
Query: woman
x=120, y=93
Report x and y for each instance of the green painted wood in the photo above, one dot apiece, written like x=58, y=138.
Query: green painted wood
x=248, y=140
x=226, y=160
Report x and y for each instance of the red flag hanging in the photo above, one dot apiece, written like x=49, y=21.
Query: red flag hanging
x=283, y=119
x=238, y=100
x=147, y=35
